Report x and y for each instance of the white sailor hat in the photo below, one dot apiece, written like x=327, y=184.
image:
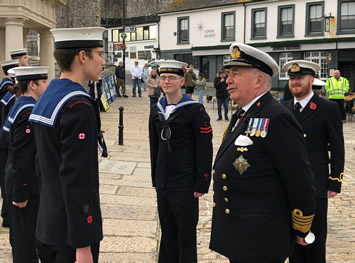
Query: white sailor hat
x=84, y=37
x=301, y=67
x=172, y=67
x=31, y=73
x=243, y=55
x=18, y=53
x=6, y=65
x=11, y=72
x=318, y=82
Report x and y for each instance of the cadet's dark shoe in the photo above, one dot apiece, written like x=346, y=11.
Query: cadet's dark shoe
x=133, y=95
x=125, y=96
x=227, y=119
x=119, y=95
x=219, y=119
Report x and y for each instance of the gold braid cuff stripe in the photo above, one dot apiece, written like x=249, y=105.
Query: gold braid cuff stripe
x=340, y=179
x=300, y=222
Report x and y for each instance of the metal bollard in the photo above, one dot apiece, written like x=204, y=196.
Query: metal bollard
x=120, y=127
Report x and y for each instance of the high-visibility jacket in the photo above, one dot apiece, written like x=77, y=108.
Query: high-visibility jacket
x=337, y=87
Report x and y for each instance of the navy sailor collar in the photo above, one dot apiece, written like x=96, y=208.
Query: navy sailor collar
x=7, y=98
x=53, y=99
x=5, y=82
x=185, y=101
x=21, y=103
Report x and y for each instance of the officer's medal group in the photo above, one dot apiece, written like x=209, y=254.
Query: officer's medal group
x=257, y=127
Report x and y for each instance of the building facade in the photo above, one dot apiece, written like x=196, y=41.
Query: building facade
x=319, y=31
x=18, y=17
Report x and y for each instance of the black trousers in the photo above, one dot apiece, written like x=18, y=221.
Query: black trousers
x=63, y=254
x=341, y=107
x=315, y=252
x=276, y=261
x=22, y=230
x=178, y=215
x=4, y=206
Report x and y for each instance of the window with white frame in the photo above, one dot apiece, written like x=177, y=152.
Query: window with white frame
x=283, y=59
x=144, y=55
x=319, y=58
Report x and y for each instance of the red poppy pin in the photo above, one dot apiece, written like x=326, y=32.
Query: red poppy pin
x=313, y=106
x=258, y=104
x=89, y=219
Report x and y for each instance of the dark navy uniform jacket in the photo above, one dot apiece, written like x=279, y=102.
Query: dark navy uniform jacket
x=186, y=162
x=22, y=180
x=66, y=128
x=6, y=103
x=257, y=212
x=323, y=131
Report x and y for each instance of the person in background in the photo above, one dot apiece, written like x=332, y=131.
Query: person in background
x=221, y=85
x=21, y=55
x=136, y=72
x=336, y=87
x=153, y=87
x=323, y=133
x=6, y=84
x=22, y=181
x=95, y=91
x=201, y=87
x=145, y=75
x=69, y=223
x=190, y=81
x=180, y=137
x=263, y=184
x=120, y=80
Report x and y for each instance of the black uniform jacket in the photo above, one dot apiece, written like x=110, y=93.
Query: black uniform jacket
x=254, y=212
x=6, y=103
x=69, y=212
x=22, y=180
x=188, y=164
x=323, y=131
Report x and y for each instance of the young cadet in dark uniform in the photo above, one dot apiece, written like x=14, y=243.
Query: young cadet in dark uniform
x=6, y=84
x=22, y=183
x=181, y=157
x=21, y=55
x=263, y=183
x=321, y=122
x=66, y=126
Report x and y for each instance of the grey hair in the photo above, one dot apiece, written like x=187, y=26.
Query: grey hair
x=267, y=77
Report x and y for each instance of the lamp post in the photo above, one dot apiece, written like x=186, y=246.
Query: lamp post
x=124, y=43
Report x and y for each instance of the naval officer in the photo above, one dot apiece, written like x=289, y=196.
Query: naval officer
x=263, y=183
x=321, y=123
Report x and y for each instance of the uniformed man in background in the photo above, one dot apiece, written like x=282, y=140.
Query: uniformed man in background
x=180, y=136
x=321, y=123
x=7, y=84
x=66, y=126
x=21, y=55
x=263, y=183
x=22, y=182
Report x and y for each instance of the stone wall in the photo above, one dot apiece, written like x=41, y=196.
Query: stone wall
x=79, y=13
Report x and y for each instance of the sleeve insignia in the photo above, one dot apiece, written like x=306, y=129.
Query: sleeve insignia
x=300, y=222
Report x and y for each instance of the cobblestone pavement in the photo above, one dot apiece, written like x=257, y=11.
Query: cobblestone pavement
x=131, y=227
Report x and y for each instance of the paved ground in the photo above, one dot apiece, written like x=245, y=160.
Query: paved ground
x=131, y=227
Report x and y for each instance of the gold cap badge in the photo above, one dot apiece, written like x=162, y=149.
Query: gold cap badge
x=295, y=68
x=235, y=53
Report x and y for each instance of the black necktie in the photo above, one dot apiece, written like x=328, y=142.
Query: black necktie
x=238, y=115
x=296, y=109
